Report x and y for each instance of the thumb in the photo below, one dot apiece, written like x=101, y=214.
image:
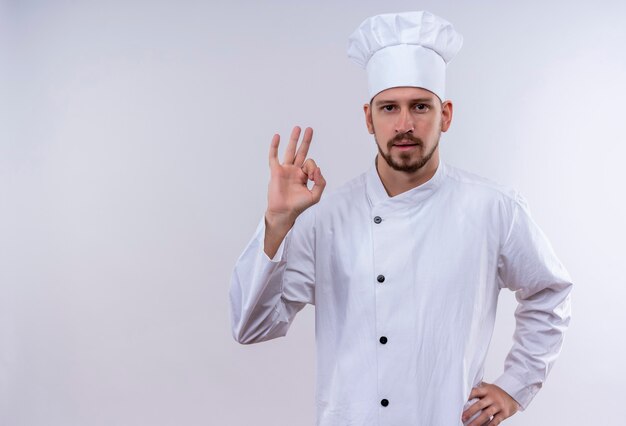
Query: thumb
x=319, y=184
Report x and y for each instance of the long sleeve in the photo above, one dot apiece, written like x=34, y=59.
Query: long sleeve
x=528, y=266
x=266, y=294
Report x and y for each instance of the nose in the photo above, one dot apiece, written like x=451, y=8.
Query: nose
x=405, y=122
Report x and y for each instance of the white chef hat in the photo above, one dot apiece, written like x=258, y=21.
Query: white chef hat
x=405, y=49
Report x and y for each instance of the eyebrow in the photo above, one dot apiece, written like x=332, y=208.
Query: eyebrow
x=393, y=101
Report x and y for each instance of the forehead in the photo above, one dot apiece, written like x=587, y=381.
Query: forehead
x=404, y=94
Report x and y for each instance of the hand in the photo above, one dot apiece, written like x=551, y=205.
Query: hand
x=493, y=401
x=288, y=194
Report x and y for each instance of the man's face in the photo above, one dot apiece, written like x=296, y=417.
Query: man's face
x=407, y=123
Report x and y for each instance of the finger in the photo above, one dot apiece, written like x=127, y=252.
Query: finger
x=484, y=417
x=469, y=412
x=475, y=408
x=320, y=184
x=303, y=149
x=290, y=153
x=309, y=168
x=274, y=150
x=480, y=420
x=478, y=392
x=496, y=420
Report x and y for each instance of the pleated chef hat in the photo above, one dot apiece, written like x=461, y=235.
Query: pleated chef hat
x=405, y=49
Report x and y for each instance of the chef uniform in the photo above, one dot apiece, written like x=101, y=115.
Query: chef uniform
x=405, y=288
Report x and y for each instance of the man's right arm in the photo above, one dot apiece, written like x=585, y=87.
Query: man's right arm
x=273, y=278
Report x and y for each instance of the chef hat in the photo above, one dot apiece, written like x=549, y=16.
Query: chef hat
x=405, y=49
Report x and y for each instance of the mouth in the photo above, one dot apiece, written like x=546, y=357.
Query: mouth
x=404, y=145
x=405, y=142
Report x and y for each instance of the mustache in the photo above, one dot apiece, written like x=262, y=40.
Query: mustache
x=405, y=136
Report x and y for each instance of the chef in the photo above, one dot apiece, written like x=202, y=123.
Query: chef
x=405, y=262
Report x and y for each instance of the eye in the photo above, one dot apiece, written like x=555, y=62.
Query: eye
x=421, y=107
x=388, y=108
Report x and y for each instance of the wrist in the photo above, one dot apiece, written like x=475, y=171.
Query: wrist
x=279, y=222
x=276, y=229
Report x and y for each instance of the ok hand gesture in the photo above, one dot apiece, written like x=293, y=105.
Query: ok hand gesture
x=288, y=194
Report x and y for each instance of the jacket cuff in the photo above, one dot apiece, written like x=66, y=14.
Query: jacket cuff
x=520, y=392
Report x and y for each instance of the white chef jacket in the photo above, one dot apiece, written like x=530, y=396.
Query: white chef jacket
x=405, y=290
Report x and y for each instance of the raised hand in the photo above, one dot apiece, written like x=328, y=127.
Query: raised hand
x=288, y=194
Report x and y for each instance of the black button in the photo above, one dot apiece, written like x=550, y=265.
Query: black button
x=383, y=340
x=377, y=219
x=380, y=278
x=384, y=402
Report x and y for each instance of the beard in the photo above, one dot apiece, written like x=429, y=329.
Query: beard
x=404, y=163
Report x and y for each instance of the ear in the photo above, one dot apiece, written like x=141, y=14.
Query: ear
x=368, y=118
x=446, y=115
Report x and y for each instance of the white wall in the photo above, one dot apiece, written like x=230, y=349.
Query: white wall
x=133, y=144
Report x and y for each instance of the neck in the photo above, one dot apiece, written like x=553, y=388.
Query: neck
x=396, y=182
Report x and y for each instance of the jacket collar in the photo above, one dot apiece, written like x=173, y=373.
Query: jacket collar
x=378, y=196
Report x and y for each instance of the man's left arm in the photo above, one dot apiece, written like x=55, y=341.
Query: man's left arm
x=527, y=265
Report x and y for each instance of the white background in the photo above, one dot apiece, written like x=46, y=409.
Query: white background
x=133, y=145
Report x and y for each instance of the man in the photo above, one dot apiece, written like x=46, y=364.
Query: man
x=404, y=263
